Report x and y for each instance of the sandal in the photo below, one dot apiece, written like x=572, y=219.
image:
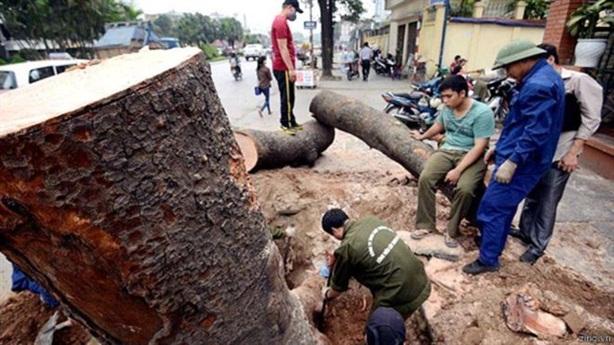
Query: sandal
x=419, y=234
x=450, y=242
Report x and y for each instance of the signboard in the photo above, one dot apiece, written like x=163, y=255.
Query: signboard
x=310, y=25
x=437, y=2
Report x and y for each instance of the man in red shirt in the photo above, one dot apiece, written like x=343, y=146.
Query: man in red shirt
x=284, y=63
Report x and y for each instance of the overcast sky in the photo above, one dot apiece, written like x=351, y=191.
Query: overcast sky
x=258, y=14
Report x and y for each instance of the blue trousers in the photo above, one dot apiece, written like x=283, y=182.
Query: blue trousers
x=21, y=282
x=498, y=208
x=267, y=99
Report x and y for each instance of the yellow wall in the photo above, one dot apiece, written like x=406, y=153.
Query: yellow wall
x=478, y=43
x=380, y=41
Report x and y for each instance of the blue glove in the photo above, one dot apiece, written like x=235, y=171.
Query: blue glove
x=325, y=271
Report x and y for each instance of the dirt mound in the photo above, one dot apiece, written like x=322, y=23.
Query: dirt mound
x=22, y=316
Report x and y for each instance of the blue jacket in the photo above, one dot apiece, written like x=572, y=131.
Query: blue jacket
x=532, y=128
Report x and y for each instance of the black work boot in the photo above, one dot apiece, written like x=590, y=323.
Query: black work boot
x=530, y=257
x=477, y=267
x=515, y=232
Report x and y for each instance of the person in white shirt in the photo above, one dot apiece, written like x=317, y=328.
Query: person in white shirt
x=366, y=54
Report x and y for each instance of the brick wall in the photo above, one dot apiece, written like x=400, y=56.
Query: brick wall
x=556, y=32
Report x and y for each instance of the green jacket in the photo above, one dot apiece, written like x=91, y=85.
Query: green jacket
x=377, y=258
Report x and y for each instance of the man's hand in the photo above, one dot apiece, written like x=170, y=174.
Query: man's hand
x=330, y=259
x=292, y=74
x=489, y=156
x=416, y=135
x=506, y=172
x=569, y=162
x=453, y=176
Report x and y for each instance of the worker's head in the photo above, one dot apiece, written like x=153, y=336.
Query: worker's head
x=462, y=62
x=385, y=327
x=333, y=222
x=366, y=44
x=457, y=58
x=290, y=8
x=518, y=58
x=552, y=55
x=453, y=91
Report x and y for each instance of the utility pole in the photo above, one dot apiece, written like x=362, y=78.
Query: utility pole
x=313, y=62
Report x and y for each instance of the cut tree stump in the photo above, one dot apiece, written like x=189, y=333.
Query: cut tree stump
x=124, y=193
x=378, y=130
x=275, y=149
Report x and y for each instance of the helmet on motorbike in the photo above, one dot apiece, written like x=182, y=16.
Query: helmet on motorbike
x=516, y=51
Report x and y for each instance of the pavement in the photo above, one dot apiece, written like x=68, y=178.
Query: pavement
x=584, y=228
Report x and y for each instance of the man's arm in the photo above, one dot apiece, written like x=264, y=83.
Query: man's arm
x=436, y=128
x=470, y=157
x=282, y=43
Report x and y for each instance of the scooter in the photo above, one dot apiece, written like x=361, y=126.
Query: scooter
x=352, y=70
x=501, y=91
x=236, y=73
x=417, y=110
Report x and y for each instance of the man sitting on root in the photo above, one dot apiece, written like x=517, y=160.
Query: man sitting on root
x=376, y=257
x=468, y=125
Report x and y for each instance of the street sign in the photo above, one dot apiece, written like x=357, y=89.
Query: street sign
x=310, y=24
x=437, y=2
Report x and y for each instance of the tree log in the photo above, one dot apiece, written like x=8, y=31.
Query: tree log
x=276, y=149
x=124, y=193
x=376, y=129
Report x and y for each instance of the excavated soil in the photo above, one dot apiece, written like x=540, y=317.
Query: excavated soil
x=461, y=310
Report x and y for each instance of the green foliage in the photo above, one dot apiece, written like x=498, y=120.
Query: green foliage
x=536, y=9
x=462, y=8
x=352, y=9
x=584, y=20
x=209, y=50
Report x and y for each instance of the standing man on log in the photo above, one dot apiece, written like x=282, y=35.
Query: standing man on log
x=377, y=258
x=284, y=63
x=525, y=149
x=468, y=125
x=583, y=101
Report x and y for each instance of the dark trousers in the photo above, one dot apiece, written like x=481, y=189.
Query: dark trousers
x=366, y=67
x=266, y=91
x=286, y=92
x=539, y=211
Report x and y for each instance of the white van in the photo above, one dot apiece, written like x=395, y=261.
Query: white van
x=24, y=73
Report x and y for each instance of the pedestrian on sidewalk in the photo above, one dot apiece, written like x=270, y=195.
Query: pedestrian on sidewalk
x=377, y=258
x=264, y=84
x=284, y=63
x=525, y=149
x=468, y=125
x=583, y=101
x=366, y=55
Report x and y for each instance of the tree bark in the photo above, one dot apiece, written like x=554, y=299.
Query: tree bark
x=380, y=131
x=276, y=149
x=124, y=193
x=326, y=20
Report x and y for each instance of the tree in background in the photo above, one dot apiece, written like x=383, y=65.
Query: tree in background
x=352, y=9
x=231, y=30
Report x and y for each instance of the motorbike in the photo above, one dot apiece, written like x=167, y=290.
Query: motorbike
x=352, y=70
x=500, y=94
x=417, y=109
x=235, y=68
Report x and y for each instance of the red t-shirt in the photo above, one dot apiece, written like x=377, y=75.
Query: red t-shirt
x=281, y=30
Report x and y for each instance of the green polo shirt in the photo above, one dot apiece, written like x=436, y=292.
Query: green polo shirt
x=377, y=258
x=477, y=123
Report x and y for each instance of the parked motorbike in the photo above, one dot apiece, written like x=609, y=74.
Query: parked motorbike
x=500, y=94
x=352, y=70
x=417, y=109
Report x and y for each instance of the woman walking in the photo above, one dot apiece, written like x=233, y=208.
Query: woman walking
x=264, y=83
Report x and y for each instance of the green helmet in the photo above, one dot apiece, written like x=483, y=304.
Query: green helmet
x=516, y=51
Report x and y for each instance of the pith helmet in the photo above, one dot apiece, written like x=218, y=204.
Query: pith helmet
x=516, y=51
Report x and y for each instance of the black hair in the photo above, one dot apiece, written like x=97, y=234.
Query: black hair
x=333, y=218
x=550, y=51
x=456, y=83
x=457, y=57
x=261, y=61
x=366, y=44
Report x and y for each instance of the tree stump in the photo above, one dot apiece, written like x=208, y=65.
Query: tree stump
x=124, y=193
x=265, y=149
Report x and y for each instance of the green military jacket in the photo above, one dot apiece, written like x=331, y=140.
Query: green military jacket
x=377, y=258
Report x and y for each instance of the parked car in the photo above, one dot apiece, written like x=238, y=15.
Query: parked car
x=253, y=51
x=170, y=42
x=24, y=73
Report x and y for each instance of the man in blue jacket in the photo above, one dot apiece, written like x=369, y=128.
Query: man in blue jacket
x=525, y=149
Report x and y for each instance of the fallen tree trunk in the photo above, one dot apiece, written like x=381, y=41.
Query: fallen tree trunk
x=376, y=129
x=124, y=193
x=266, y=149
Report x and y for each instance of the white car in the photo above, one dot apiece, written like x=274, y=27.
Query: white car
x=253, y=51
x=24, y=73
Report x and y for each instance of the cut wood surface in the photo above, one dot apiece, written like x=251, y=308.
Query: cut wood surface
x=124, y=193
x=275, y=149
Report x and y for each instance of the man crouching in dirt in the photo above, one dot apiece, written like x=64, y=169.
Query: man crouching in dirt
x=376, y=257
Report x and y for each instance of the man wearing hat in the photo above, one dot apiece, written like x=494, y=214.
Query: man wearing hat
x=284, y=63
x=525, y=149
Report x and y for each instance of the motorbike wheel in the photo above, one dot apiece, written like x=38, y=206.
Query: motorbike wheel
x=349, y=75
